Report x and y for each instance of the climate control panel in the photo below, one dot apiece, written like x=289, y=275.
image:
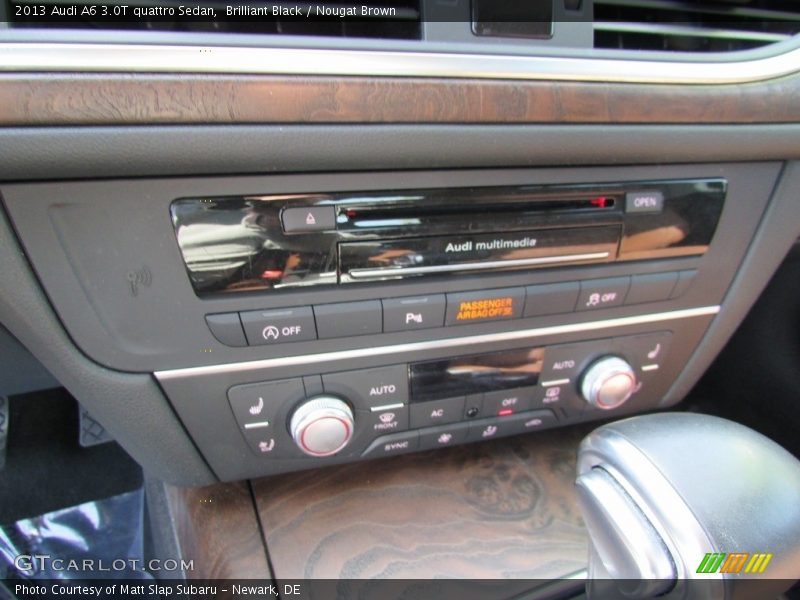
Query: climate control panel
x=470, y=397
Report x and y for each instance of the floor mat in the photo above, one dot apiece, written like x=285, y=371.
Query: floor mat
x=46, y=469
x=99, y=539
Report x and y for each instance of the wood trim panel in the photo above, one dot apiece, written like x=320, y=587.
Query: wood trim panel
x=217, y=527
x=504, y=509
x=118, y=99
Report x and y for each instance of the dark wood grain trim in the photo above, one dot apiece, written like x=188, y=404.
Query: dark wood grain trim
x=106, y=99
x=504, y=509
x=217, y=528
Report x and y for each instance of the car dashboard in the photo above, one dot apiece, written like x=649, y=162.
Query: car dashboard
x=280, y=261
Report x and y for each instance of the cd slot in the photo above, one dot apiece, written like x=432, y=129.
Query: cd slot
x=368, y=217
x=391, y=259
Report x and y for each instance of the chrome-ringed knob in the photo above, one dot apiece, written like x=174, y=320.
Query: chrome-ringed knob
x=608, y=383
x=322, y=426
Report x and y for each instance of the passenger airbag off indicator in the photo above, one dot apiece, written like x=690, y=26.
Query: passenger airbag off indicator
x=478, y=307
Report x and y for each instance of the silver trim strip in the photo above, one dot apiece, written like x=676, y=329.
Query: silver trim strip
x=144, y=58
x=482, y=266
x=650, y=28
x=555, y=382
x=386, y=407
x=518, y=334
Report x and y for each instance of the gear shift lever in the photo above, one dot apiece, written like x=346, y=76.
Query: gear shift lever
x=661, y=492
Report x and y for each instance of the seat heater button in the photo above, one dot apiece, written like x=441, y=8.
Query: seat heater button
x=259, y=402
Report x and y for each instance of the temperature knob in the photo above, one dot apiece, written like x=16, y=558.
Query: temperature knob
x=322, y=426
x=608, y=383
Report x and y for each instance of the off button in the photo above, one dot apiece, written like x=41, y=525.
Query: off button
x=279, y=326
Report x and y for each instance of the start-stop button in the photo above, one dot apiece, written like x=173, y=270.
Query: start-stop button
x=279, y=326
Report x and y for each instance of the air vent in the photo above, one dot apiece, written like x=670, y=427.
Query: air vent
x=397, y=19
x=669, y=25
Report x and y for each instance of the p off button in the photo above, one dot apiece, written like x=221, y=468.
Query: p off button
x=418, y=312
x=279, y=326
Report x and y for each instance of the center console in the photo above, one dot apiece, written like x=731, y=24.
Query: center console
x=296, y=321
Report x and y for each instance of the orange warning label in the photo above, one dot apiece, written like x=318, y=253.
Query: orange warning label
x=490, y=308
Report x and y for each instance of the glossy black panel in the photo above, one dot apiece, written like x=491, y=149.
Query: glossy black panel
x=239, y=244
x=360, y=261
x=477, y=374
x=685, y=226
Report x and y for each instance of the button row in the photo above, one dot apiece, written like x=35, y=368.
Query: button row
x=326, y=321
x=457, y=433
x=502, y=403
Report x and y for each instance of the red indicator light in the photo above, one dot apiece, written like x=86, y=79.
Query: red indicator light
x=600, y=202
x=505, y=412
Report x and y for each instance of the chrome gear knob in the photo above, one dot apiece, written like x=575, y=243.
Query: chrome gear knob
x=684, y=506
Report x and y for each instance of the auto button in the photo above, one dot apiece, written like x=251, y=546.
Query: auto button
x=385, y=387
